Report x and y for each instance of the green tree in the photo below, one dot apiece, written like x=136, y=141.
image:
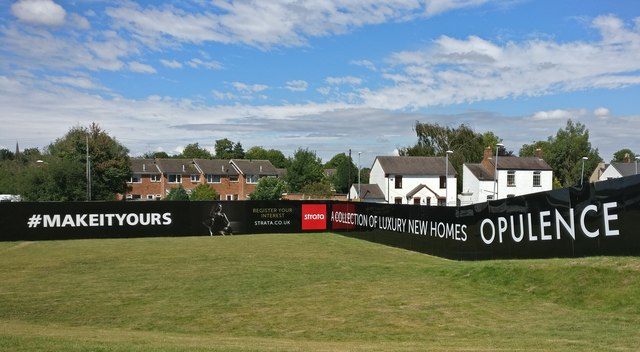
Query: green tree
x=238, y=151
x=305, y=168
x=226, y=149
x=155, y=155
x=204, y=192
x=109, y=160
x=6, y=154
x=346, y=172
x=194, y=151
x=317, y=190
x=269, y=188
x=564, y=153
x=620, y=155
x=434, y=140
x=177, y=193
x=530, y=149
x=274, y=156
x=57, y=179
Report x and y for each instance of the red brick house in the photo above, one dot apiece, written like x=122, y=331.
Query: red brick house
x=152, y=179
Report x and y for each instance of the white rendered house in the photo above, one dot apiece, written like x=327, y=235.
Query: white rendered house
x=415, y=180
x=516, y=176
x=617, y=170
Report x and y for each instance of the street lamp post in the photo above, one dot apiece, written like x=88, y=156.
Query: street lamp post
x=495, y=174
x=637, y=158
x=359, y=196
x=582, y=172
x=446, y=177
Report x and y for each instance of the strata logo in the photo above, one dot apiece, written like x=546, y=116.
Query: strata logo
x=314, y=216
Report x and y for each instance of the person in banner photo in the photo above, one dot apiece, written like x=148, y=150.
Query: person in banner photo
x=217, y=222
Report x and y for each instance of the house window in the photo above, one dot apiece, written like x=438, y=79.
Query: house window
x=175, y=178
x=398, y=182
x=155, y=178
x=429, y=201
x=232, y=197
x=510, y=195
x=442, y=202
x=214, y=179
x=252, y=178
x=195, y=178
x=135, y=179
x=151, y=197
x=490, y=197
x=233, y=178
x=133, y=196
x=397, y=200
x=416, y=200
x=511, y=178
x=443, y=182
x=536, y=179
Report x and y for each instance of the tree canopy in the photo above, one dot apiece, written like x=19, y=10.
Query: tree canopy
x=274, y=156
x=346, y=172
x=226, y=149
x=305, y=168
x=110, y=167
x=269, y=188
x=622, y=154
x=565, y=151
x=194, y=151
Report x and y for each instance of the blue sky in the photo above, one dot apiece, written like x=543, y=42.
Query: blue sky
x=328, y=75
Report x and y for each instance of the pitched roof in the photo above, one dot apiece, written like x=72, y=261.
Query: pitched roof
x=144, y=166
x=215, y=167
x=419, y=188
x=520, y=163
x=480, y=172
x=369, y=191
x=625, y=169
x=415, y=165
x=178, y=166
x=255, y=167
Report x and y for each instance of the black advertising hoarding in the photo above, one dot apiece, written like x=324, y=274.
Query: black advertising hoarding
x=73, y=220
x=599, y=219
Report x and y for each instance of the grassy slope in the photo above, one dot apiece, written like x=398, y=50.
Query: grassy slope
x=319, y=292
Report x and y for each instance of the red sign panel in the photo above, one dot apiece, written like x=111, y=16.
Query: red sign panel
x=314, y=216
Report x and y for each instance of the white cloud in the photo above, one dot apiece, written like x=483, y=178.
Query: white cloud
x=324, y=90
x=83, y=82
x=365, y=63
x=453, y=71
x=435, y=7
x=350, y=80
x=171, y=63
x=139, y=67
x=211, y=65
x=249, y=88
x=558, y=114
x=79, y=21
x=601, y=112
x=270, y=23
x=297, y=86
x=39, y=12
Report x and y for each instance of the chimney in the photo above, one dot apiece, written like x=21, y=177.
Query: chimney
x=183, y=168
x=260, y=168
x=538, y=153
x=627, y=158
x=144, y=167
x=487, y=153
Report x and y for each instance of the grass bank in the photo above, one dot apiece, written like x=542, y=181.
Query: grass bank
x=311, y=292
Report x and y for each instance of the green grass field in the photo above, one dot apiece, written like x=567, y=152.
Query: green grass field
x=310, y=292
